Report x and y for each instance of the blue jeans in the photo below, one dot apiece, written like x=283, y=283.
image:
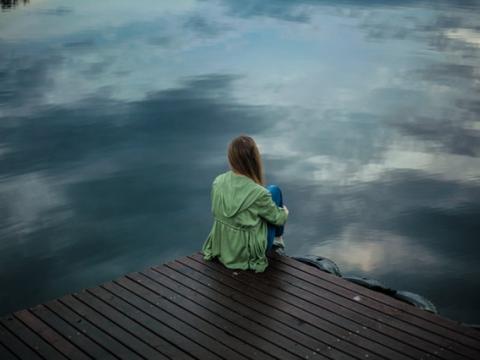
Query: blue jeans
x=274, y=230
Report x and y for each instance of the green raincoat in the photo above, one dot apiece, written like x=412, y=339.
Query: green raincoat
x=241, y=209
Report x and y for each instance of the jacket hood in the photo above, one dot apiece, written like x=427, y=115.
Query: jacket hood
x=233, y=193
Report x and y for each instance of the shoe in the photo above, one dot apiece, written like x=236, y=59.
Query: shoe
x=278, y=242
x=279, y=251
x=278, y=245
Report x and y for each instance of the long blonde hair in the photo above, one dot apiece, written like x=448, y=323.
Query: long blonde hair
x=245, y=159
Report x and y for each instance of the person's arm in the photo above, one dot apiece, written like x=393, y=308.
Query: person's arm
x=268, y=210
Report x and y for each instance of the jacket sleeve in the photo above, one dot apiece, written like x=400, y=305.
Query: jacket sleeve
x=269, y=211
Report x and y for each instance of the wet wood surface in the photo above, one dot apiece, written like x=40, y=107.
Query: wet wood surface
x=193, y=309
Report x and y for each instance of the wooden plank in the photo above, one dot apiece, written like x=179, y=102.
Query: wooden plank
x=177, y=343
x=234, y=324
x=424, y=329
x=16, y=346
x=133, y=326
x=51, y=336
x=77, y=338
x=199, y=333
x=164, y=297
x=294, y=293
x=272, y=330
x=389, y=325
x=30, y=338
x=5, y=353
x=269, y=328
x=91, y=331
x=246, y=330
x=329, y=313
x=103, y=321
x=439, y=324
x=330, y=333
x=193, y=309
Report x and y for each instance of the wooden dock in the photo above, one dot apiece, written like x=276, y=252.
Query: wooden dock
x=191, y=309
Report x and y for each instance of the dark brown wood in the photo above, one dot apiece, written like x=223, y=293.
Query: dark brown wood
x=328, y=311
x=16, y=346
x=77, y=338
x=294, y=291
x=6, y=354
x=185, y=297
x=257, y=335
x=51, y=336
x=456, y=341
x=91, y=331
x=330, y=334
x=162, y=295
x=435, y=323
x=107, y=325
x=390, y=323
x=173, y=342
x=148, y=343
x=201, y=333
x=31, y=339
x=195, y=309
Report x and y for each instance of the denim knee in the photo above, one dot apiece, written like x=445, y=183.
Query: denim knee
x=272, y=188
x=276, y=194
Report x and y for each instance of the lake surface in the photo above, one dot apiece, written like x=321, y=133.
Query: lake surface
x=115, y=117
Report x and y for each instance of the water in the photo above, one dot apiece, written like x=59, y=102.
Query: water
x=115, y=117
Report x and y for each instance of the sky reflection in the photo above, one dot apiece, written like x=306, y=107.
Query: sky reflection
x=114, y=119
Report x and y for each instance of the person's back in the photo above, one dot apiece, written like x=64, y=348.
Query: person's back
x=243, y=209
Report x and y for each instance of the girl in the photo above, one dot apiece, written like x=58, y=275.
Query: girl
x=247, y=216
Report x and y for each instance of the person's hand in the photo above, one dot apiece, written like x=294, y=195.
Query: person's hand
x=285, y=208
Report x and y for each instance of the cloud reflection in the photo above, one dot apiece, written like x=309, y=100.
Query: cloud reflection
x=111, y=175
x=361, y=251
